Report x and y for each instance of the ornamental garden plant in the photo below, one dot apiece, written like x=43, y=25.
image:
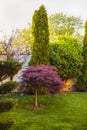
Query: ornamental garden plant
x=36, y=77
x=81, y=83
x=40, y=33
x=66, y=55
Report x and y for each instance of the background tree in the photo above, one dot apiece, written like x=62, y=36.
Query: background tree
x=40, y=32
x=15, y=47
x=7, y=48
x=24, y=35
x=62, y=24
x=40, y=76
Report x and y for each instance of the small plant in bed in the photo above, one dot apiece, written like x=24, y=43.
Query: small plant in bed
x=8, y=87
x=5, y=125
x=6, y=105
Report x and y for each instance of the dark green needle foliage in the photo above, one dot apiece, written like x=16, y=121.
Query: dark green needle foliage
x=40, y=32
x=85, y=53
x=81, y=84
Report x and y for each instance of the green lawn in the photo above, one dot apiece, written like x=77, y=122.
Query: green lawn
x=66, y=111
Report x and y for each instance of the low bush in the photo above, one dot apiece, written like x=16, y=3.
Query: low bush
x=81, y=84
x=12, y=67
x=9, y=68
x=8, y=87
x=7, y=104
x=5, y=125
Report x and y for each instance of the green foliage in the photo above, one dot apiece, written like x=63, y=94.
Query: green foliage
x=62, y=24
x=8, y=87
x=23, y=36
x=66, y=56
x=12, y=67
x=82, y=85
x=85, y=53
x=2, y=70
x=6, y=104
x=5, y=125
x=40, y=46
x=9, y=68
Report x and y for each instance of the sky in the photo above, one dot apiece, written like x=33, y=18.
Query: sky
x=16, y=14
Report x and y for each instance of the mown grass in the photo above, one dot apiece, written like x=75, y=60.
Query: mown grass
x=66, y=111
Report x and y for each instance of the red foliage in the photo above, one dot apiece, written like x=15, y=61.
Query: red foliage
x=42, y=76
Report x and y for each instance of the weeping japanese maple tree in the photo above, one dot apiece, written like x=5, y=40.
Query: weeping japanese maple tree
x=40, y=76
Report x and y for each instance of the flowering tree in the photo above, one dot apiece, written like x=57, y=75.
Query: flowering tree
x=13, y=49
x=41, y=76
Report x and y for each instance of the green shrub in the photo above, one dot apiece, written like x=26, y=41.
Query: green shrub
x=9, y=68
x=5, y=125
x=80, y=84
x=6, y=105
x=8, y=87
x=66, y=56
x=12, y=67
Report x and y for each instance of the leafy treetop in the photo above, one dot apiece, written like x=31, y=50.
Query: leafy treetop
x=42, y=76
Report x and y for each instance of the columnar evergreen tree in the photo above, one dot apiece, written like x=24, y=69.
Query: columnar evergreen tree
x=85, y=53
x=40, y=46
x=81, y=84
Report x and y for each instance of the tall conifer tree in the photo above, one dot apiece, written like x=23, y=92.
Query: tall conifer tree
x=81, y=84
x=40, y=45
x=85, y=54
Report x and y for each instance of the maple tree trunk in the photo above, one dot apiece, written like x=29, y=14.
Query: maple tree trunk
x=36, y=103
